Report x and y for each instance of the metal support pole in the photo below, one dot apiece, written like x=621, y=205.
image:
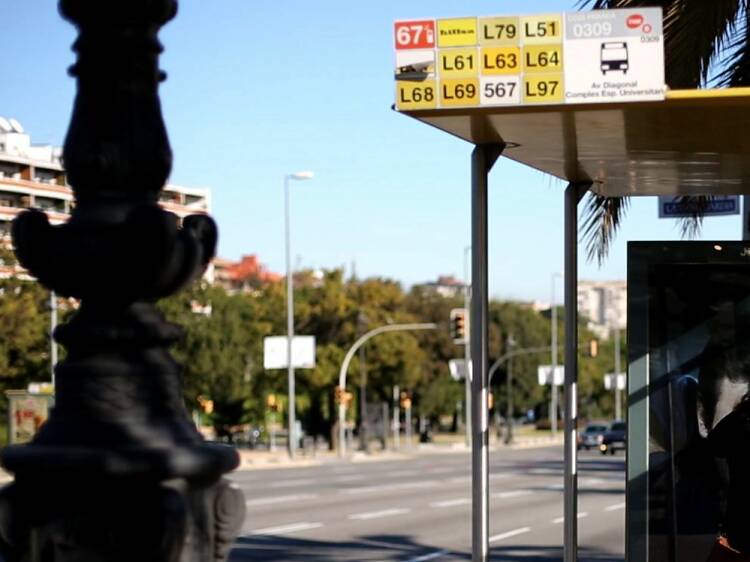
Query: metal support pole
x=467, y=346
x=509, y=410
x=407, y=422
x=573, y=195
x=291, y=422
x=482, y=159
x=746, y=217
x=396, y=418
x=553, y=343
x=618, y=394
x=52, y=342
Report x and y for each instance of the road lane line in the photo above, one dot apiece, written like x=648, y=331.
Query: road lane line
x=615, y=507
x=511, y=494
x=290, y=483
x=281, y=499
x=451, y=503
x=508, y=534
x=459, y=479
x=499, y=476
x=559, y=520
x=378, y=514
x=286, y=529
x=430, y=556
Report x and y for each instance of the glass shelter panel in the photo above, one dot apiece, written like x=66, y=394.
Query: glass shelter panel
x=689, y=409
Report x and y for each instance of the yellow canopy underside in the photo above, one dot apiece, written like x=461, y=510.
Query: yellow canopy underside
x=695, y=142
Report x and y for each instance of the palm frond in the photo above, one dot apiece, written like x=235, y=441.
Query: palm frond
x=602, y=218
x=690, y=226
x=735, y=59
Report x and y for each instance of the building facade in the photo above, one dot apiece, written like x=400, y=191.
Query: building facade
x=33, y=176
x=604, y=304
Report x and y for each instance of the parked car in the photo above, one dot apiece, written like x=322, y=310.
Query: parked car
x=614, y=439
x=592, y=436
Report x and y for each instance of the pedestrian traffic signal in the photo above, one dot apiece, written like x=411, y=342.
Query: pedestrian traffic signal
x=458, y=324
x=490, y=401
x=405, y=400
x=347, y=398
x=593, y=348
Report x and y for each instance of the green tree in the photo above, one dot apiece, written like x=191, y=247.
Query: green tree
x=24, y=331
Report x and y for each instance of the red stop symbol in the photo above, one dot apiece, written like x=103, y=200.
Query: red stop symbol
x=634, y=21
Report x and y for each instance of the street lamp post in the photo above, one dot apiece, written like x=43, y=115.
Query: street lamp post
x=292, y=441
x=553, y=346
x=510, y=343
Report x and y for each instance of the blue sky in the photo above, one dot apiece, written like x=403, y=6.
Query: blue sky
x=257, y=90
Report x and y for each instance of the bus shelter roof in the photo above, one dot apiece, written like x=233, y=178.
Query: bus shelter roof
x=695, y=142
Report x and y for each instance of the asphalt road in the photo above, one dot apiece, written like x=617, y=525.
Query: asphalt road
x=419, y=509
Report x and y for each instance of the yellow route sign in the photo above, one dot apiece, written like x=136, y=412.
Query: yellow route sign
x=579, y=57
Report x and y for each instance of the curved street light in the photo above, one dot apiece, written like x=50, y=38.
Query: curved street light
x=348, y=358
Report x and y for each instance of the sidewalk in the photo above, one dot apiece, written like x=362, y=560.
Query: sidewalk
x=263, y=459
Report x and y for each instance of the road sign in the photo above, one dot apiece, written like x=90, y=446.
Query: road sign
x=609, y=380
x=275, y=352
x=457, y=368
x=544, y=374
x=579, y=57
x=673, y=207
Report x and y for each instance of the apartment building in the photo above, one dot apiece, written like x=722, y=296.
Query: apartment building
x=604, y=304
x=33, y=176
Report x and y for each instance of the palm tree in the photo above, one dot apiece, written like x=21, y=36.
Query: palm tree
x=706, y=43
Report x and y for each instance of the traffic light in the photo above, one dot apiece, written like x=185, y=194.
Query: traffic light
x=206, y=405
x=405, y=400
x=593, y=348
x=490, y=400
x=347, y=398
x=459, y=327
x=272, y=403
x=339, y=395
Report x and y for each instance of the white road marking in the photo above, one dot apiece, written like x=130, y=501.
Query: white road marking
x=291, y=483
x=499, y=476
x=285, y=529
x=508, y=534
x=459, y=479
x=281, y=499
x=451, y=503
x=430, y=556
x=378, y=514
x=559, y=520
x=511, y=494
x=389, y=487
x=615, y=507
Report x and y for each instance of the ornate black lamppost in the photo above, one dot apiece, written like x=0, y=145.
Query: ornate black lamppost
x=118, y=473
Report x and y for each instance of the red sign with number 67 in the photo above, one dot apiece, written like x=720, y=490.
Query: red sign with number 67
x=415, y=34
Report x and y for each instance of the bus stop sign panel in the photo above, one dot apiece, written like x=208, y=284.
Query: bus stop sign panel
x=580, y=57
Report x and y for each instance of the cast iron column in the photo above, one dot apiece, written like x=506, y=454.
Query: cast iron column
x=119, y=472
